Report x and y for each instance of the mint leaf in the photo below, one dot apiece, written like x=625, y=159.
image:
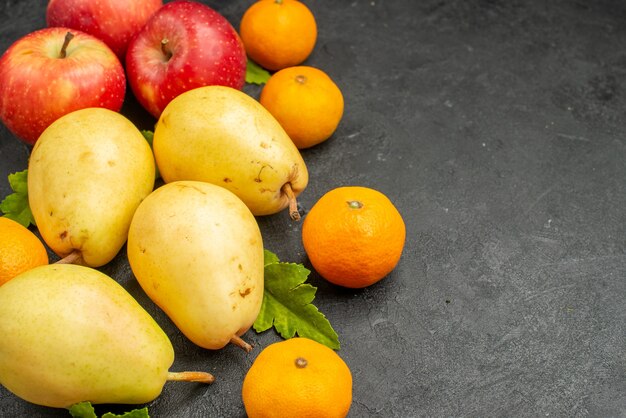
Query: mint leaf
x=269, y=258
x=15, y=205
x=135, y=413
x=149, y=135
x=287, y=304
x=82, y=410
x=86, y=410
x=19, y=181
x=255, y=74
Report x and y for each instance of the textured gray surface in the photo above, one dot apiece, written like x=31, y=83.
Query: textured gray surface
x=497, y=128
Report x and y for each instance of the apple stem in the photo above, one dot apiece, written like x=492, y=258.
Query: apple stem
x=66, y=42
x=201, y=377
x=166, y=51
x=293, y=203
x=75, y=257
x=239, y=342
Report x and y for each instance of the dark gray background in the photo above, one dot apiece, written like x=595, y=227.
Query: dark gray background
x=497, y=129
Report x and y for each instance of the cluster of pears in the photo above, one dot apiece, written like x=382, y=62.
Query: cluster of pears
x=193, y=244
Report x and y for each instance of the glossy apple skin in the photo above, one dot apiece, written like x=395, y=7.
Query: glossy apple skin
x=205, y=50
x=37, y=86
x=113, y=21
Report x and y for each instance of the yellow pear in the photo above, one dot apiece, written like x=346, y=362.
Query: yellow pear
x=221, y=135
x=196, y=250
x=87, y=173
x=71, y=333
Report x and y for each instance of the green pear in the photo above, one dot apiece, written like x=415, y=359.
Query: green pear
x=196, y=250
x=87, y=173
x=71, y=333
x=221, y=135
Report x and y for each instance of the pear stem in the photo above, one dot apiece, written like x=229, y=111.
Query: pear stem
x=239, y=342
x=75, y=257
x=66, y=42
x=293, y=203
x=201, y=377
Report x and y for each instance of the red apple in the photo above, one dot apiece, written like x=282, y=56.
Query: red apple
x=47, y=73
x=113, y=21
x=184, y=45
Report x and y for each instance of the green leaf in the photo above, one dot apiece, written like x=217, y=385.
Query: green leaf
x=19, y=181
x=149, y=135
x=82, y=410
x=287, y=304
x=135, y=413
x=255, y=74
x=269, y=258
x=15, y=205
x=86, y=410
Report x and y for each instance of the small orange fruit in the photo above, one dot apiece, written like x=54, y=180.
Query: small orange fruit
x=306, y=103
x=299, y=378
x=20, y=250
x=353, y=236
x=278, y=33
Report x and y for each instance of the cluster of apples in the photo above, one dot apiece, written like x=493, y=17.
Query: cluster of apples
x=91, y=50
x=193, y=244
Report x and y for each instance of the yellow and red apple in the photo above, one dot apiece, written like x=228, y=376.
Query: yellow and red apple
x=184, y=45
x=48, y=73
x=113, y=21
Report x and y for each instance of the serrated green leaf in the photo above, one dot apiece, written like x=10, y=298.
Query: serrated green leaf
x=149, y=135
x=287, y=304
x=23, y=217
x=15, y=205
x=82, y=410
x=135, y=413
x=255, y=74
x=19, y=181
x=86, y=410
x=269, y=258
x=14, y=202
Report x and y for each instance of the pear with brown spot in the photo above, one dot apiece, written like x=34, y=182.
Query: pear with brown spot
x=221, y=135
x=87, y=173
x=197, y=252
